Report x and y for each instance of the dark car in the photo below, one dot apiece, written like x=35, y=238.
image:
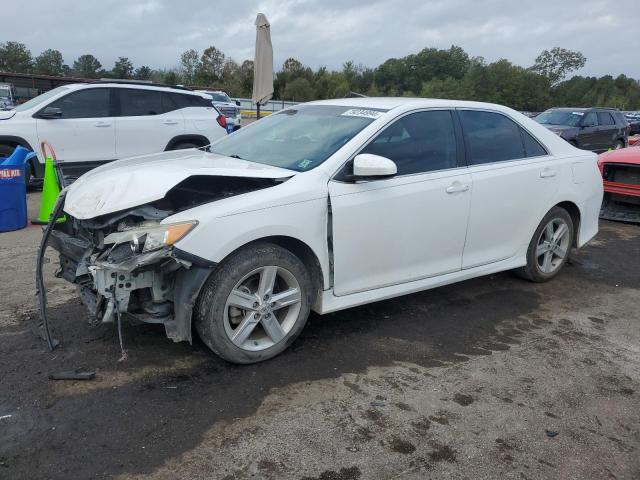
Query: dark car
x=596, y=129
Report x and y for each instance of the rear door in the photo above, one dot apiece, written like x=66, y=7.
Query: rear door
x=589, y=135
x=412, y=226
x=514, y=179
x=85, y=132
x=147, y=120
x=608, y=131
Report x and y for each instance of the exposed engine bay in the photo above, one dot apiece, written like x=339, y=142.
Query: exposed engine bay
x=126, y=263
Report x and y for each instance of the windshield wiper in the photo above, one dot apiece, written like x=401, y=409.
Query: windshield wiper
x=236, y=156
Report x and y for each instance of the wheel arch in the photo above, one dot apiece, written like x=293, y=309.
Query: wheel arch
x=200, y=140
x=301, y=250
x=574, y=211
x=13, y=141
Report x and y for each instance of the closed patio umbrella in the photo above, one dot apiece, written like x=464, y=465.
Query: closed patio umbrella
x=262, y=64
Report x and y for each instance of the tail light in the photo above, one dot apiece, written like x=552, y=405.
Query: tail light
x=222, y=121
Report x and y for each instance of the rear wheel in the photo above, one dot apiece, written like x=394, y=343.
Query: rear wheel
x=255, y=304
x=550, y=247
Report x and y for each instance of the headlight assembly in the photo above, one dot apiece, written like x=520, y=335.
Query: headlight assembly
x=151, y=238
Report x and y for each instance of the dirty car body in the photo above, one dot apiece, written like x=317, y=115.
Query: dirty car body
x=322, y=207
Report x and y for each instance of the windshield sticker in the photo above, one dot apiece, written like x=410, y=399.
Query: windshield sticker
x=358, y=112
x=304, y=164
x=577, y=113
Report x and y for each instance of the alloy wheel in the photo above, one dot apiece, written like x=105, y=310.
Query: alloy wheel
x=262, y=308
x=553, y=246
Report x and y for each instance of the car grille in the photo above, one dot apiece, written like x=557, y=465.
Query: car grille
x=627, y=174
x=228, y=111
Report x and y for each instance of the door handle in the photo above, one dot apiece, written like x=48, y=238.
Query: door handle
x=457, y=187
x=102, y=124
x=547, y=173
x=170, y=122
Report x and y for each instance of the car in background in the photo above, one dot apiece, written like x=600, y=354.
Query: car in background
x=228, y=107
x=88, y=124
x=595, y=129
x=634, y=125
x=621, y=176
x=7, y=96
x=324, y=205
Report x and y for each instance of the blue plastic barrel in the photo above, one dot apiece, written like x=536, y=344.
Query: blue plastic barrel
x=13, y=190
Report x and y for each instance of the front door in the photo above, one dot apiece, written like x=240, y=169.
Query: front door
x=85, y=132
x=408, y=227
x=589, y=134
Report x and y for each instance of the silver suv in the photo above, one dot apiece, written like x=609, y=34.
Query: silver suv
x=227, y=107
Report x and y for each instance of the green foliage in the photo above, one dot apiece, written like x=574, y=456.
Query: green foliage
x=557, y=63
x=15, y=57
x=87, y=66
x=433, y=73
x=123, y=68
x=49, y=62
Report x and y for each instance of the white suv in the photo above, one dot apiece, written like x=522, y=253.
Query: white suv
x=92, y=123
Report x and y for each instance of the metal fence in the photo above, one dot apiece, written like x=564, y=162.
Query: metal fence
x=246, y=105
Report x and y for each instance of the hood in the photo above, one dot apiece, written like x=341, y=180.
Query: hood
x=136, y=181
x=630, y=155
x=6, y=114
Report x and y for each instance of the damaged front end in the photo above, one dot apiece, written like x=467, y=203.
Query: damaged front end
x=126, y=263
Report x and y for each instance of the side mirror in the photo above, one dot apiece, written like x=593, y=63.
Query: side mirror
x=50, y=113
x=369, y=165
x=238, y=103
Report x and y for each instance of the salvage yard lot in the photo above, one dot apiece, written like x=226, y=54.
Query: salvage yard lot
x=490, y=378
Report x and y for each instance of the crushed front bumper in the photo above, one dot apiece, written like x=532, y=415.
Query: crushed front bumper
x=160, y=286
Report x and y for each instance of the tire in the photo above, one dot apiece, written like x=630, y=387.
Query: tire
x=546, y=256
x=6, y=150
x=248, y=326
x=184, y=146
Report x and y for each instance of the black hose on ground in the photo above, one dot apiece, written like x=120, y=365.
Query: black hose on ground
x=40, y=291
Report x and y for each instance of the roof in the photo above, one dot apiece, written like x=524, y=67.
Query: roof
x=140, y=85
x=583, y=109
x=388, y=103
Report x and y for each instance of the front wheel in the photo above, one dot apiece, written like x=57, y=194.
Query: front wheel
x=255, y=304
x=550, y=246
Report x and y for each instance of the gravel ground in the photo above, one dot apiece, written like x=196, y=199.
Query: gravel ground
x=490, y=378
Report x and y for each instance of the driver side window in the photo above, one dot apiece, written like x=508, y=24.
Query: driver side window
x=590, y=120
x=419, y=142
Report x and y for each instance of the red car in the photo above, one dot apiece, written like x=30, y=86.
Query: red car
x=621, y=174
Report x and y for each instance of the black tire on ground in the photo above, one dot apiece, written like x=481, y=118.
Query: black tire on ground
x=209, y=314
x=532, y=271
x=184, y=146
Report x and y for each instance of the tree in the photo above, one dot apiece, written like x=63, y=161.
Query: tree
x=557, y=63
x=87, y=66
x=49, y=62
x=189, y=64
x=15, y=57
x=123, y=68
x=171, y=78
x=291, y=65
x=211, y=66
x=143, y=73
x=298, y=90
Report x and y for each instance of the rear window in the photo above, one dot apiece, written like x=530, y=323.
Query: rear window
x=184, y=100
x=491, y=137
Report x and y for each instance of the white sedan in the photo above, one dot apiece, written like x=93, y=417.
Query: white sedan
x=324, y=206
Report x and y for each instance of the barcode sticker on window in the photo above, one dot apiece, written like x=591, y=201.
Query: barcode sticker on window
x=358, y=112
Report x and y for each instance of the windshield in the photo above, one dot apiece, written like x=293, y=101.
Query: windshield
x=35, y=101
x=560, y=117
x=298, y=138
x=220, y=97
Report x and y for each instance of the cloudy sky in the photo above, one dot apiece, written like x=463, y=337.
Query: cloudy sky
x=330, y=32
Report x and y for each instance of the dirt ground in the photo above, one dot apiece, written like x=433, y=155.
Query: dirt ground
x=490, y=378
